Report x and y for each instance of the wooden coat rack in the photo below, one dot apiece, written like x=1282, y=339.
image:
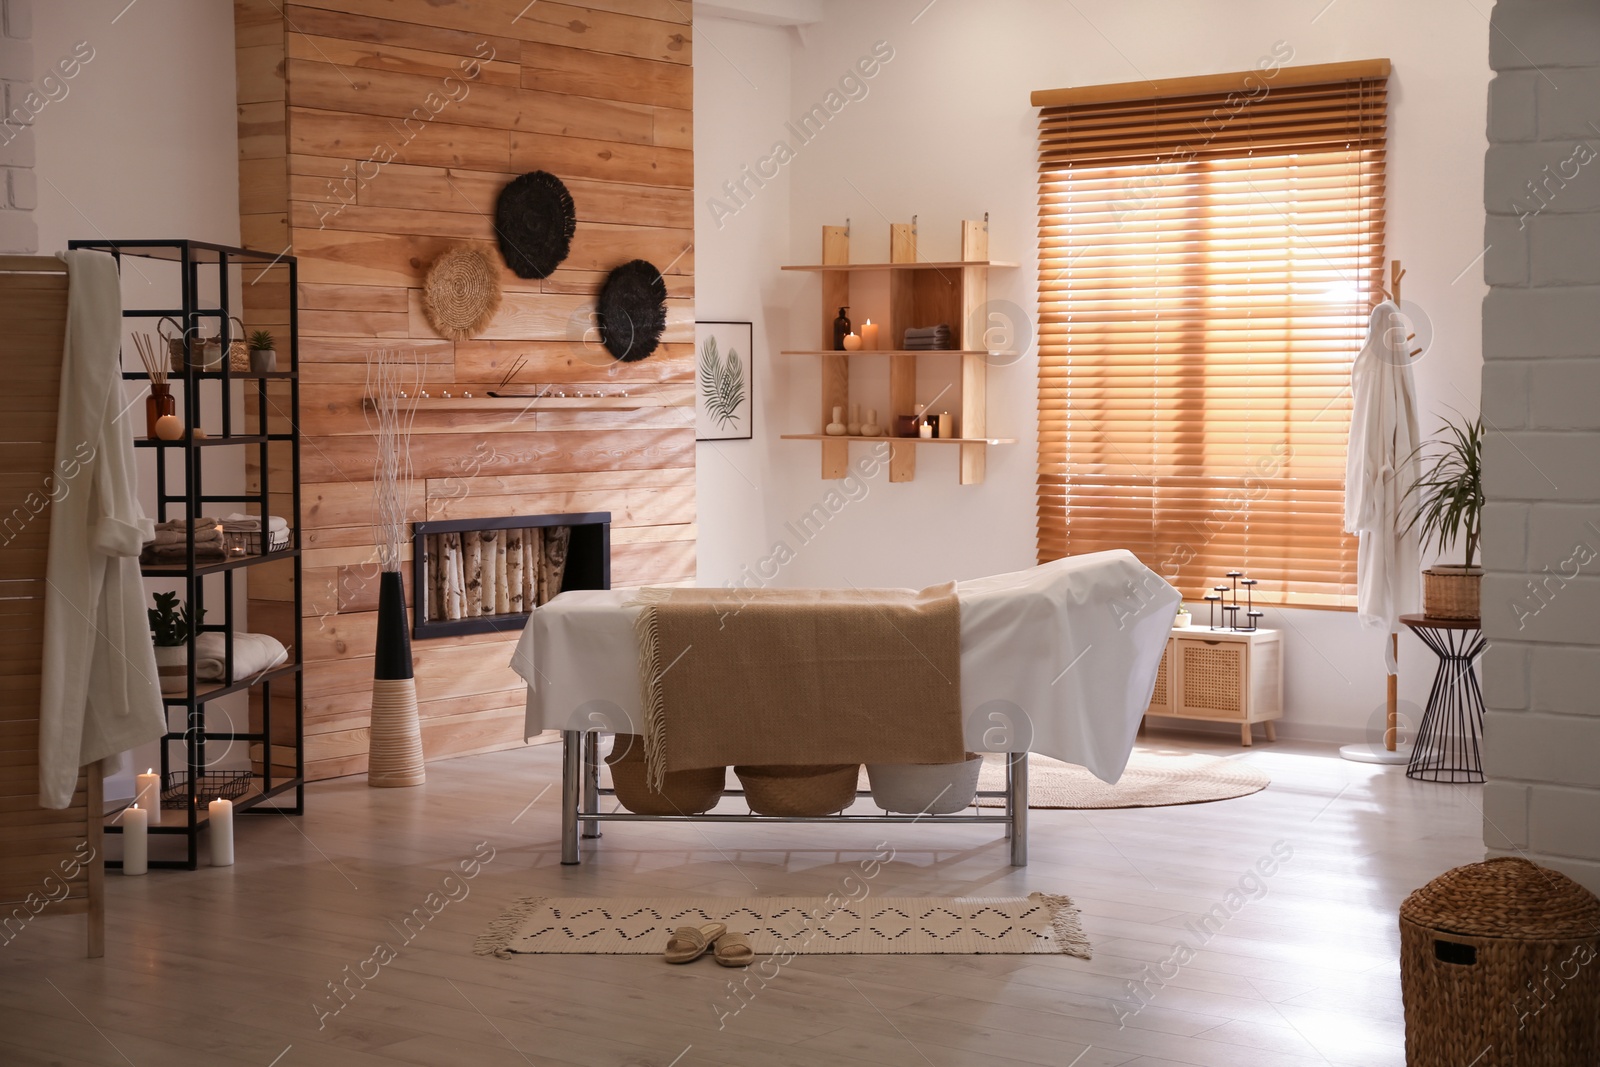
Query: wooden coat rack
x=50, y=861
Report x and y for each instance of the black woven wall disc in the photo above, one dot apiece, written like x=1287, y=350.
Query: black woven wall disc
x=535, y=219
x=633, y=310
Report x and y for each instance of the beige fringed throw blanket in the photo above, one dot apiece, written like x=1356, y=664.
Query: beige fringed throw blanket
x=811, y=676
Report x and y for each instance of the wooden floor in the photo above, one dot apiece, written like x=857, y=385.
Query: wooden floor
x=224, y=966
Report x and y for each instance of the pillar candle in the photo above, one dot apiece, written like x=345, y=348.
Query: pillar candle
x=147, y=791
x=221, y=812
x=869, y=336
x=925, y=430
x=135, y=840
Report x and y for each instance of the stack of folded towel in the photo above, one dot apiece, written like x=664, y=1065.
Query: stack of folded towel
x=252, y=654
x=172, y=541
x=927, y=338
x=244, y=533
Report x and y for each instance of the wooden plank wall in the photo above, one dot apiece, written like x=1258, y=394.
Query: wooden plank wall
x=373, y=135
x=44, y=868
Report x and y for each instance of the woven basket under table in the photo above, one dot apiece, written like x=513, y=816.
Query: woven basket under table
x=1498, y=968
x=799, y=790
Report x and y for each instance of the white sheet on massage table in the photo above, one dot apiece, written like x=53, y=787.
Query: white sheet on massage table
x=1066, y=652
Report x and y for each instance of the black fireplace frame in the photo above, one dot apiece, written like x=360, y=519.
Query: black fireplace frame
x=588, y=566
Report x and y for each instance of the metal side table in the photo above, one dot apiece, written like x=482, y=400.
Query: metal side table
x=1446, y=747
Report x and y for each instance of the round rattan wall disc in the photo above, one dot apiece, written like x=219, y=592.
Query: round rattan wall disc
x=535, y=220
x=633, y=310
x=461, y=293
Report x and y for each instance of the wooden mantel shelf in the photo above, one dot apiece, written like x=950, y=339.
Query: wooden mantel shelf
x=534, y=403
x=955, y=264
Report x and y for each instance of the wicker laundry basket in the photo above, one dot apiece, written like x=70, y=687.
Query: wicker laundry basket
x=1498, y=968
x=799, y=789
x=684, y=793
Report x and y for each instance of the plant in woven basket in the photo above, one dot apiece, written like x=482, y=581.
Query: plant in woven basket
x=721, y=383
x=1449, y=509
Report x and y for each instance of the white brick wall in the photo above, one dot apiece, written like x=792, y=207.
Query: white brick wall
x=18, y=193
x=1541, y=389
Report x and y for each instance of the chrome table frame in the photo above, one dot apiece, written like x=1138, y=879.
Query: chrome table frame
x=581, y=792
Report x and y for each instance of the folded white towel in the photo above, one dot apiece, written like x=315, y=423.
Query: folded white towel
x=238, y=523
x=252, y=654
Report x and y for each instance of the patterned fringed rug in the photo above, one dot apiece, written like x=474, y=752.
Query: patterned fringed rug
x=1038, y=924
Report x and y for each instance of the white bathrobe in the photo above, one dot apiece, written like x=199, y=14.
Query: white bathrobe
x=99, y=689
x=1380, y=469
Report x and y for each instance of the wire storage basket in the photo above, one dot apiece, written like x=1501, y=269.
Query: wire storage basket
x=1498, y=968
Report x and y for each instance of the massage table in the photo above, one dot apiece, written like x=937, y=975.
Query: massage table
x=1060, y=659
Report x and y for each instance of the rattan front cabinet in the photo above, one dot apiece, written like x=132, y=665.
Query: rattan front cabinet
x=1222, y=676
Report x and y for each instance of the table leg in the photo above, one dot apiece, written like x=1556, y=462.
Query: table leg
x=1244, y=735
x=591, y=781
x=1446, y=747
x=1017, y=807
x=1271, y=728
x=571, y=788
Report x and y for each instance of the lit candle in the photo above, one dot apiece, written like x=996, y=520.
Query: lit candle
x=147, y=790
x=925, y=430
x=869, y=335
x=852, y=342
x=135, y=840
x=221, y=812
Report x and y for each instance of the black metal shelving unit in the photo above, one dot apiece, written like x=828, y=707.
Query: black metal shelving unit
x=192, y=784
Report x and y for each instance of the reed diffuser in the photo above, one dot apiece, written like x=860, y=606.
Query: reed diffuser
x=160, y=403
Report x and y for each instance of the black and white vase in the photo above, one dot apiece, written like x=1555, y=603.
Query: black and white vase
x=394, y=742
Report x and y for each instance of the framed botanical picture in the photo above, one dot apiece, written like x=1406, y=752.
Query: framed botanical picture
x=724, y=402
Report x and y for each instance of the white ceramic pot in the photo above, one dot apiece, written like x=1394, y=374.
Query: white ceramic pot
x=925, y=788
x=172, y=661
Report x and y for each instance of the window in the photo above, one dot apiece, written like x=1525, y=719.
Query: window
x=1209, y=253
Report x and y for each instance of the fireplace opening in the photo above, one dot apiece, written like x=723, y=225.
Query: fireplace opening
x=471, y=576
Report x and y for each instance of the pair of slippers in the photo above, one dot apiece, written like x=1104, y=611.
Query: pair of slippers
x=689, y=943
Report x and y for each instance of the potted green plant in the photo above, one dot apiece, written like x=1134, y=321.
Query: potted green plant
x=263, y=353
x=169, y=629
x=1449, y=508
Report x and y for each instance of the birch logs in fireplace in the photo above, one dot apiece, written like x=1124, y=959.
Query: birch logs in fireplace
x=494, y=572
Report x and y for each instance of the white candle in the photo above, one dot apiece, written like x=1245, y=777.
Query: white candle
x=869, y=336
x=852, y=342
x=135, y=840
x=221, y=812
x=147, y=791
x=925, y=430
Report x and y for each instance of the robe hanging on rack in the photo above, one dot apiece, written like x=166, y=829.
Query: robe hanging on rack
x=1380, y=469
x=99, y=693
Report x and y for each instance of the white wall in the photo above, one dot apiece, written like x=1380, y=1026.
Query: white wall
x=946, y=132
x=1542, y=473
x=145, y=142
x=741, y=101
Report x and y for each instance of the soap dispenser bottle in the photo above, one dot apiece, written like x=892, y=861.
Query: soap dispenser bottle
x=841, y=329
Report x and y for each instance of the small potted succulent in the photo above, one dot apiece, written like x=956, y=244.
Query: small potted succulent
x=263, y=353
x=1449, y=507
x=169, y=628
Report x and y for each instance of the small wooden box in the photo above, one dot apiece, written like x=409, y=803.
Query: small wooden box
x=1222, y=676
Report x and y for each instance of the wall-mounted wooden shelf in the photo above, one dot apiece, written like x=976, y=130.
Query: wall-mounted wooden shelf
x=922, y=264
x=900, y=440
x=887, y=352
x=921, y=293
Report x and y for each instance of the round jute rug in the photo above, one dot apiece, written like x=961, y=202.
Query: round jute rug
x=1155, y=777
